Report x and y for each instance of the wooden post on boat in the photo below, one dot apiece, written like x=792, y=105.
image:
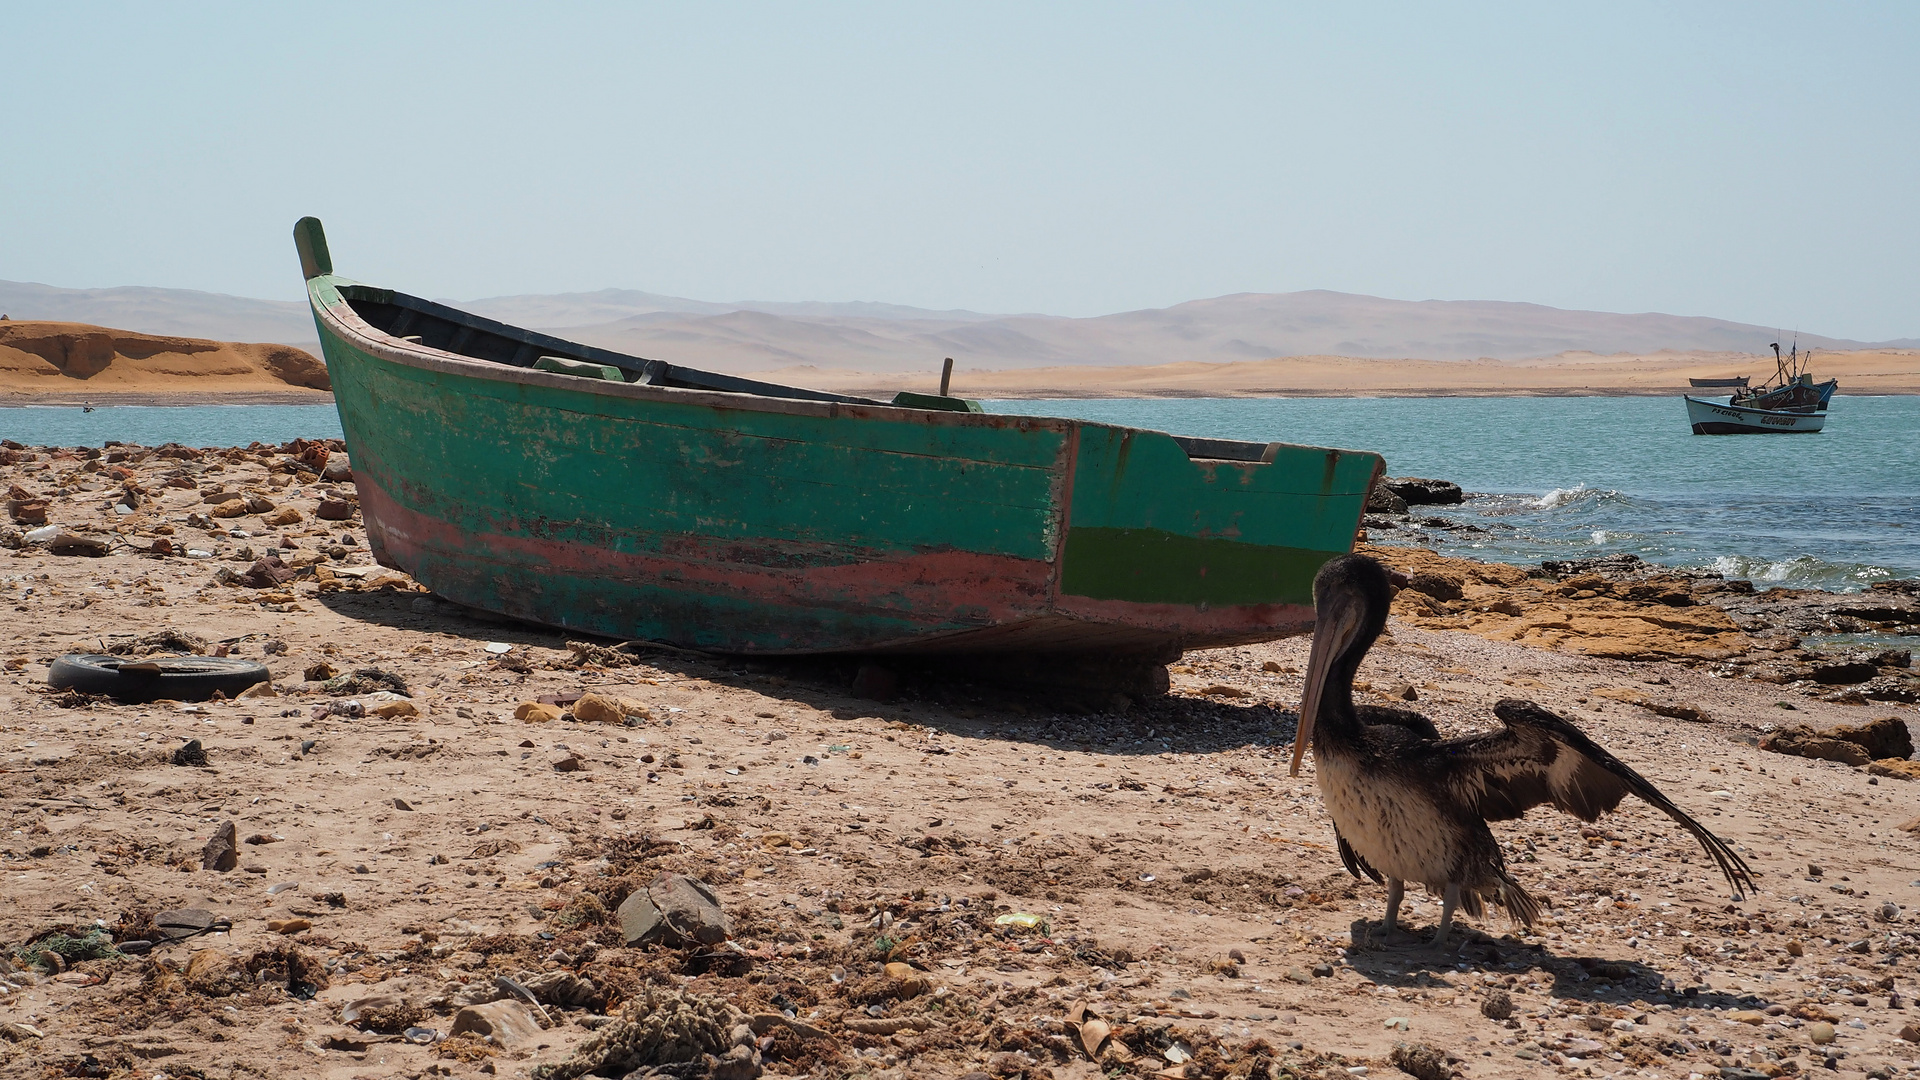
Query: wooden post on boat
x=946, y=376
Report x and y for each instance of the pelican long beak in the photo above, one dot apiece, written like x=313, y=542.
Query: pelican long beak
x=1336, y=624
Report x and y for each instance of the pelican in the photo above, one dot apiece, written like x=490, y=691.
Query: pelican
x=1408, y=805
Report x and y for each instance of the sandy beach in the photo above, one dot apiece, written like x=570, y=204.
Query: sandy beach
x=44, y=363
x=410, y=826
x=1862, y=372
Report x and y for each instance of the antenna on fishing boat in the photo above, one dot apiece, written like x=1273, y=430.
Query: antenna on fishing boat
x=946, y=376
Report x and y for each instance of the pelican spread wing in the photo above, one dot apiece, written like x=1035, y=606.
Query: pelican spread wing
x=1539, y=757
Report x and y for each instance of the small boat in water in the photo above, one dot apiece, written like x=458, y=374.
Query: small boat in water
x=1713, y=418
x=1791, y=403
x=1734, y=381
x=569, y=485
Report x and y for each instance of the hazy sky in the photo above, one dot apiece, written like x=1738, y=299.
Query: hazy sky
x=1753, y=161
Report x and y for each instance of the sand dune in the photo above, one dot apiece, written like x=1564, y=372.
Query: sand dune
x=1226, y=329
x=1865, y=371
x=41, y=360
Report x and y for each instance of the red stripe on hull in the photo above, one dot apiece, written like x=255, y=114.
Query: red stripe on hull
x=922, y=601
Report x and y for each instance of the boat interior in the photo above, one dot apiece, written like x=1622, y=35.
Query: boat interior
x=412, y=319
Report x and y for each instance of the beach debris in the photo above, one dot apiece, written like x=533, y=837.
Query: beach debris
x=1089, y=1030
x=1820, y=1033
x=72, y=543
x=1020, y=920
x=503, y=1023
x=569, y=762
x=1496, y=1004
x=332, y=510
x=607, y=709
x=366, y=680
x=168, y=640
x=191, y=753
x=176, y=678
x=661, y=1028
x=213, y=973
x=56, y=950
x=179, y=924
x=1420, y=1061
x=560, y=988
x=14, y=1031
x=222, y=852
x=267, y=572
x=586, y=652
x=388, y=1014
x=536, y=712
x=674, y=910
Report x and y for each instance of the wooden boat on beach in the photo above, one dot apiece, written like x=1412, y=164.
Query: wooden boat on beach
x=568, y=485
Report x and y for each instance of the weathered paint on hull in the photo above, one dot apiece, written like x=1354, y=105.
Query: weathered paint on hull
x=1713, y=418
x=753, y=525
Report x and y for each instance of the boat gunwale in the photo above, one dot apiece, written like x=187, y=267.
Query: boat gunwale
x=375, y=342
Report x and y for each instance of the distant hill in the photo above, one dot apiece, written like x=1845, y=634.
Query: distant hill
x=759, y=336
x=611, y=305
x=173, y=312
x=1245, y=326
x=41, y=359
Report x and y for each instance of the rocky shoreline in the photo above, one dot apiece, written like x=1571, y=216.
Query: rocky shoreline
x=436, y=843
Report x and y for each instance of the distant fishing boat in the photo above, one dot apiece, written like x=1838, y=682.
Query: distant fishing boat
x=1737, y=380
x=1792, y=403
x=573, y=486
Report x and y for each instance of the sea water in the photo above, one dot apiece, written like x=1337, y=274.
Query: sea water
x=1552, y=478
x=153, y=425
x=1562, y=478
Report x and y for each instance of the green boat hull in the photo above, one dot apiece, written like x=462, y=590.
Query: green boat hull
x=747, y=523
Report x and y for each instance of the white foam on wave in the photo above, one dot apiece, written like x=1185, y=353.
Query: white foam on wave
x=1803, y=571
x=1568, y=496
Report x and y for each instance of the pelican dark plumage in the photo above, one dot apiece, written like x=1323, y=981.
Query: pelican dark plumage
x=1408, y=805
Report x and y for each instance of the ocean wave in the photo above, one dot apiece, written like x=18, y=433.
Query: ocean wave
x=1800, y=572
x=1576, y=495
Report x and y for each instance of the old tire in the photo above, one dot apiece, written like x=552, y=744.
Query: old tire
x=139, y=680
